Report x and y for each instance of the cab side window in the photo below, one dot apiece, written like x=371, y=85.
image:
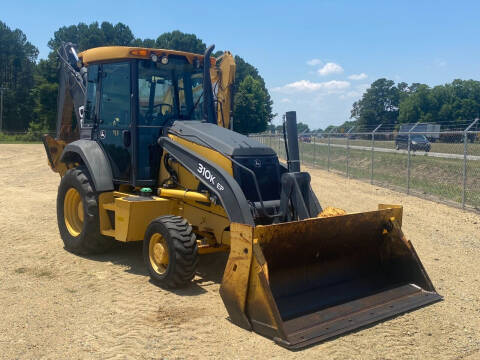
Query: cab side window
x=115, y=98
x=92, y=80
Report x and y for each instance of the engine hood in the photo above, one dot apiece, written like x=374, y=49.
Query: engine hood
x=226, y=141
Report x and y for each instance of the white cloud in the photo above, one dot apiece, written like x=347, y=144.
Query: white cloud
x=357, y=92
x=309, y=86
x=360, y=76
x=441, y=63
x=285, y=100
x=330, y=68
x=314, y=62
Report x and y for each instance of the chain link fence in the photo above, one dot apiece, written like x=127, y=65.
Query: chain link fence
x=443, y=166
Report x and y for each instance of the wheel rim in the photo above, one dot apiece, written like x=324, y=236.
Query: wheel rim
x=158, y=253
x=73, y=212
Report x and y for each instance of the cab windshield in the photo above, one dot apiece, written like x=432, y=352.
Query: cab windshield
x=169, y=91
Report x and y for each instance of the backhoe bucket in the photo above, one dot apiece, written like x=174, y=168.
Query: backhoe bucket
x=306, y=281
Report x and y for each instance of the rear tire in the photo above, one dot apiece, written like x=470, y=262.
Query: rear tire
x=170, y=251
x=77, y=214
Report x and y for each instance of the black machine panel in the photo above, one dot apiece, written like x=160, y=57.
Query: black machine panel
x=267, y=171
x=250, y=153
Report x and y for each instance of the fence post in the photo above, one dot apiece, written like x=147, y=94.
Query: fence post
x=373, y=146
x=314, y=150
x=278, y=145
x=348, y=148
x=408, y=160
x=465, y=144
x=328, y=156
x=300, y=152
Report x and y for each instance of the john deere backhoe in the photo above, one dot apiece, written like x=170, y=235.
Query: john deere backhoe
x=149, y=157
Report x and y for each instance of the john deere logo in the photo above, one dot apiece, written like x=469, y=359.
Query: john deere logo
x=258, y=163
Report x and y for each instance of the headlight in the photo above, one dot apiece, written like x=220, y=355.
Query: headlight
x=414, y=143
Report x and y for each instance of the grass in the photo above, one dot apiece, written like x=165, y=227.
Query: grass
x=439, y=177
x=23, y=138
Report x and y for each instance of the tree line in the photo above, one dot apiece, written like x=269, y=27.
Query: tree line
x=452, y=105
x=30, y=98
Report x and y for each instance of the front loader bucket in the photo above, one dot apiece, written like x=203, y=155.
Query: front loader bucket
x=306, y=281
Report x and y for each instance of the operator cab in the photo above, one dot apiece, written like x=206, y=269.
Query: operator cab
x=130, y=101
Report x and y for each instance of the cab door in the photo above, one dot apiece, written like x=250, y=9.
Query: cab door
x=114, y=118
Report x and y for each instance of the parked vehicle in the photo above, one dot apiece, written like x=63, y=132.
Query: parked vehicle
x=305, y=138
x=418, y=142
x=431, y=131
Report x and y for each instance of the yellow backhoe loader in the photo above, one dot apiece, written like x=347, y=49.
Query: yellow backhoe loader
x=149, y=157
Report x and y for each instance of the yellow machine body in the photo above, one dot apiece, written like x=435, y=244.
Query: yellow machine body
x=297, y=282
x=125, y=216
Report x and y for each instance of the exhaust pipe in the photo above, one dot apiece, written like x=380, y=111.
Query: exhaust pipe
x=293, y=153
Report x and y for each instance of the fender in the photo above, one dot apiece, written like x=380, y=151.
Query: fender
x=94, y=159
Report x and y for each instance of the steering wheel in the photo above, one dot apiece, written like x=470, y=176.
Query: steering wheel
x=160, y=116
x=162, y=105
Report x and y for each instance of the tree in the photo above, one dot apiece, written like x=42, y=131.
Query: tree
x=93, y=35
x=302, y=128
x=148, y=43
x=449, y=104
x=418, y=106
x=177, y=40
x=17, y=65
x=379, y=104
x=250, y=107
x=244, y=70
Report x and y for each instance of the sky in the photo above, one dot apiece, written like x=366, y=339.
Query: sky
x=317, y=57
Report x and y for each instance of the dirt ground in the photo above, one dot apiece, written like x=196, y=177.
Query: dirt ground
x=57, y=305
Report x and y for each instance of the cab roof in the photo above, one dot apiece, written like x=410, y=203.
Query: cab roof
x=109, y=53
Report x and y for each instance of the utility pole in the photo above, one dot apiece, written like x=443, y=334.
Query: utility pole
x=2, y=89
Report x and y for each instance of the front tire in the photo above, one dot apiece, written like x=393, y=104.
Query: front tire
x=170, y=251
x=77, y=214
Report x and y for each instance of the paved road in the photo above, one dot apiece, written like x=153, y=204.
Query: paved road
x=390, y=150
x=387, y=150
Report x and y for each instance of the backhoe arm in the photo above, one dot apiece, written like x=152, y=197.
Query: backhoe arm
x=223, y=77
x=71, y=93
x=72, y=79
